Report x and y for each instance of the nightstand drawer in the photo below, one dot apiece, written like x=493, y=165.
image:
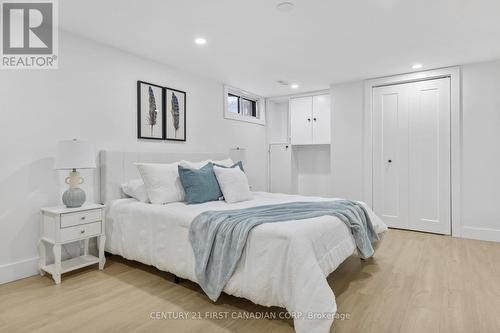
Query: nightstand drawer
x=77, y=232
x=88, y=216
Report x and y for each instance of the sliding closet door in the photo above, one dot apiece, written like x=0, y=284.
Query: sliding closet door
x=429, y=146
x=390, y=154
x=411, y=155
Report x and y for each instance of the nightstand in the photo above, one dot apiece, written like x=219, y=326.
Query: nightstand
x=61, y=225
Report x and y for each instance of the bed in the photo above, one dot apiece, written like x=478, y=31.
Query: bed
x=284, y=264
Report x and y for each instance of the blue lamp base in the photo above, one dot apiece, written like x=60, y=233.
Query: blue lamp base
x=74, y=197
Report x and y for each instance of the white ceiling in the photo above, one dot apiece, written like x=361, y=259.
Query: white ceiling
x=251, y=45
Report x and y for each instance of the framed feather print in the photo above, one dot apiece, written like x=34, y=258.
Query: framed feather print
x=175, y=115
x=150, y=111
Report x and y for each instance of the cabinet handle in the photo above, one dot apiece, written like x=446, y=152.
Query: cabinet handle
x=308, y=119
x=389, y=161
x=314, y=119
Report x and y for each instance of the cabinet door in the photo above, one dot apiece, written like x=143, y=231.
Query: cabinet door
x=301, y=121
x=321, y=119
x=280, y=168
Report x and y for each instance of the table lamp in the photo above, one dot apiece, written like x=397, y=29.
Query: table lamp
x=238, y=154
x=73, y=155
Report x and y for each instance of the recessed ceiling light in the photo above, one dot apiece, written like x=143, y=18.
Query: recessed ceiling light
x=417, y=66
x=283, y=83
x=294, y=86
x=285, y=6
x=200, y=41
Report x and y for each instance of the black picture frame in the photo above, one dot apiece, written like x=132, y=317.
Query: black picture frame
x=141, y=115
x=182, y=112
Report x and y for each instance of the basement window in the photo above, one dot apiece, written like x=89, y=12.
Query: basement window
x=243, y=106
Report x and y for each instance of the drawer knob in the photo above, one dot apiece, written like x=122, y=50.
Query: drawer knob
x=83, y=217
x=82, y=231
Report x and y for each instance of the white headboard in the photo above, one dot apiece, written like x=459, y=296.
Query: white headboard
x=118, y=167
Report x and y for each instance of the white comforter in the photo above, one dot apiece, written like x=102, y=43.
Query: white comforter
x=284, y=264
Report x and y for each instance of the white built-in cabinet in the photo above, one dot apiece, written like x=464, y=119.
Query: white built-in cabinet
x=310, y=120
x=298, y=134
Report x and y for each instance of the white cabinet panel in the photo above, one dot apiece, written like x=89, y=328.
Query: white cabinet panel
x=280, y=168
x=321, y=119
x=301, y=121
x=310, y=120
x=277, y=122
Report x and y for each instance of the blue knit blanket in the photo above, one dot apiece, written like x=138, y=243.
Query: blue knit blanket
x=219, y=237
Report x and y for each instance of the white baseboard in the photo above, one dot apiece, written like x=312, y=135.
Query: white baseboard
x=486, y=234
x=18, y=270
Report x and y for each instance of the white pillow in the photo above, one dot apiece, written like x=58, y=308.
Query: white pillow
x=233, y=183
x=227, y=162
x=193, y=165
x=162, y=182
x=198, y=165
x=136, y=189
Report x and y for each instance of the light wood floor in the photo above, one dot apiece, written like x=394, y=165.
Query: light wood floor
x=416, y=283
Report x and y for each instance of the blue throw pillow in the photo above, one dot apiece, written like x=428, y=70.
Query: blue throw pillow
x=200, y=185
x=239, y=164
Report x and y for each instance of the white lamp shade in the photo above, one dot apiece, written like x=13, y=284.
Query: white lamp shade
x=74, y=154
x=238, y=154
